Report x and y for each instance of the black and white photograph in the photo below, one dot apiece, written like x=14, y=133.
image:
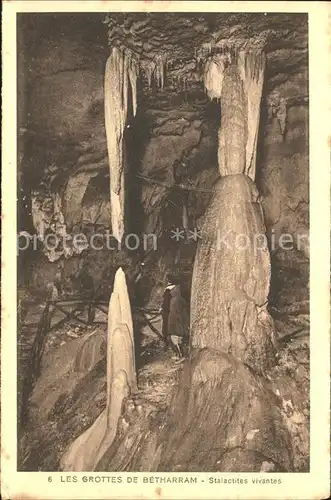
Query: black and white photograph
x=163, y=246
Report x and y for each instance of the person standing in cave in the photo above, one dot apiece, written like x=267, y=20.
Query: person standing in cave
x=175, y=317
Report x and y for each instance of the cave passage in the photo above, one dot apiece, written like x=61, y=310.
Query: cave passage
x=163, y=266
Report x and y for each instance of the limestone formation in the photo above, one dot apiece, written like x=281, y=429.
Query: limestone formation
x=120, y=318
x=231, y=276
x=90, y=352
x=236, y=79
x=49, y=222
x=120, y=358
x=121, y=68
x=233, y=132
x=88, y=449
x=73, y=196
x=234, y=436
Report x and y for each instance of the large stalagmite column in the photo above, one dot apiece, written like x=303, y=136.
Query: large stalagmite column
x=230, y=325
x=231, y=274
x=120, y=341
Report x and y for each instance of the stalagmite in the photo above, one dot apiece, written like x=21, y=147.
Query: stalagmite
x=231, y=274
x=231, y=277
x=122, y=359
x=120, y=390
x=88, y=449
x=119, y=315
x=121, y=371
x=120, y=68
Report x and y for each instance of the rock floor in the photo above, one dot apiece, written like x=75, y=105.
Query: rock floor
x=73, y=404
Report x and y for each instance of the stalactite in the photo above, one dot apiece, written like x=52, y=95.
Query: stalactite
x=125, y=86
x=185, y=218
x=114, y=121
x=121, y=67
x=160, y=63
x=155, y=70
x=133, y=75
x=251, y=66
x=158, y=76
x=214, y=74
x=233, y=132
x=282, y=115
x=148, y=68
x=185, y=83
x=207, y=48
x=204, y=52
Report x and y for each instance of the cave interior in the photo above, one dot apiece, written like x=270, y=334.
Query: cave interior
x=122, y=130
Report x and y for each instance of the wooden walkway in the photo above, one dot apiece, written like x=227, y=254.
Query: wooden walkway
x=36, y=320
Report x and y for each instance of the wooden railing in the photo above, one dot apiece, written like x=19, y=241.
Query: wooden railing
x=76, y=307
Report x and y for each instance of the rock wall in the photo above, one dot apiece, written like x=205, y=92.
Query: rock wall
x=284, y=179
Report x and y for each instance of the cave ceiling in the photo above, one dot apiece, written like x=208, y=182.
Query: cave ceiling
x=185, y=40
x=62, y=60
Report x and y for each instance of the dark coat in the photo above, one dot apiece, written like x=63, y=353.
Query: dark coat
x=175, y=313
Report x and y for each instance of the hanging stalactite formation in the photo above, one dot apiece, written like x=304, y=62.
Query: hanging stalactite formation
x=155, y=70
x=121, y=68
x=247, y=69
x=251, y=66
x=214, y=73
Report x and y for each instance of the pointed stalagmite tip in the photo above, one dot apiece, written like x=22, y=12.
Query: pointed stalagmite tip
x=120, y=273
